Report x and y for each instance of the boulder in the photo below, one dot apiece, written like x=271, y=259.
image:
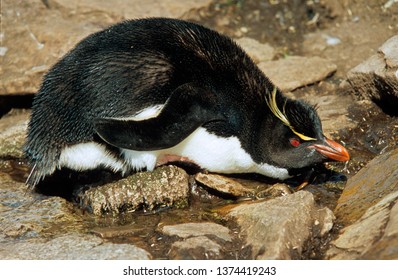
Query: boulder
x=279, y=228
x=165, y=186
x=376, y=79
x=370, y=185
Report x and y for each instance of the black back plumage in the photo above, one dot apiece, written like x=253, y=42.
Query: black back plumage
x=118, y=71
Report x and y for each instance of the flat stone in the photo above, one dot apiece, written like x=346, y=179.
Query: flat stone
x=366, y=188
x=195, y=248
x=25, y=213
x=165, y=186
x=378, y=223
x=387, y=247
x=240, y=187
x=257, y=51
x=333, y=111
x=288, y=73
x=279, y=228
x=229, y=185
x=197, y=229
x=72, y=246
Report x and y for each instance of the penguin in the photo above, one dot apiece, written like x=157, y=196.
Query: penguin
x=146, y=92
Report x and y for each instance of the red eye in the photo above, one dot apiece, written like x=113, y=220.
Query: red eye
x=294, y=142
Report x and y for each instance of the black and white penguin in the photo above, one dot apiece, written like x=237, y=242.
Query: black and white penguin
x=149, y=91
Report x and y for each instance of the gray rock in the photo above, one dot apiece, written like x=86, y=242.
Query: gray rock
x=72, y=246
x=279, y=228
x=377, y=227
x=377, y=78
x=28, y=214
x=369, y=186
x=288, y=73
x=197, y=229
x=165, y=186
x=195, y=248
x=31, y=44
x=257, y=51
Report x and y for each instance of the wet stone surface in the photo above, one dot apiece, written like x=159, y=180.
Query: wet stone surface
x=70, y=247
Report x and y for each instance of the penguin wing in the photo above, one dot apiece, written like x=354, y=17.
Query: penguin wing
x=187, y=108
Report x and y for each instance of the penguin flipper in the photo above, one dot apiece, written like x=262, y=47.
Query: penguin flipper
x=187, y=108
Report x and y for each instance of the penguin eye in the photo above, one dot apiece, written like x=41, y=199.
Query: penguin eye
x=294, y=142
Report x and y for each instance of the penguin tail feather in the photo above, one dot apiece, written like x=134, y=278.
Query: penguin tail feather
x=36, y=175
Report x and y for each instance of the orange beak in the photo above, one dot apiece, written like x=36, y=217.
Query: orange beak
x=332, y=150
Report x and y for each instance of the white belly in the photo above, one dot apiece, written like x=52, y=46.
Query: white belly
x=216, y=154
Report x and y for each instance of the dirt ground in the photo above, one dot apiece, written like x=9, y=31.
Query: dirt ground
x=355, y=29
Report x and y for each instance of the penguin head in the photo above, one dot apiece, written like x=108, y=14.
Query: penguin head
x=297, y=137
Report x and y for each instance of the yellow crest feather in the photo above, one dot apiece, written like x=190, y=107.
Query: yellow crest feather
x=271, y=102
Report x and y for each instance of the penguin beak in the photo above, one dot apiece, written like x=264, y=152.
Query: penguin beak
x=332, y=150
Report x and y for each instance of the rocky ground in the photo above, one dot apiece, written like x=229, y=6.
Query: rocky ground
x=340, y=55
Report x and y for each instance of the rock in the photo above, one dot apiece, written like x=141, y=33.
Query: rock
x=387, y=246
x=333, y=111
x=195, y=248
x=278, y=189
x=132, y=9
x=368, y=208
x=28, y=214
x=32, y=44
x=377, y=78
x=257, y=51
x=370, y=185
x=288, y=73
x=197, y=229
x=200, y=240
x=227, y=185
x=70, y=247
x=165, y=186
x=279, y=228
x=12, y=135
x=239, y=187
x=374, y=235
x=390, y=53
